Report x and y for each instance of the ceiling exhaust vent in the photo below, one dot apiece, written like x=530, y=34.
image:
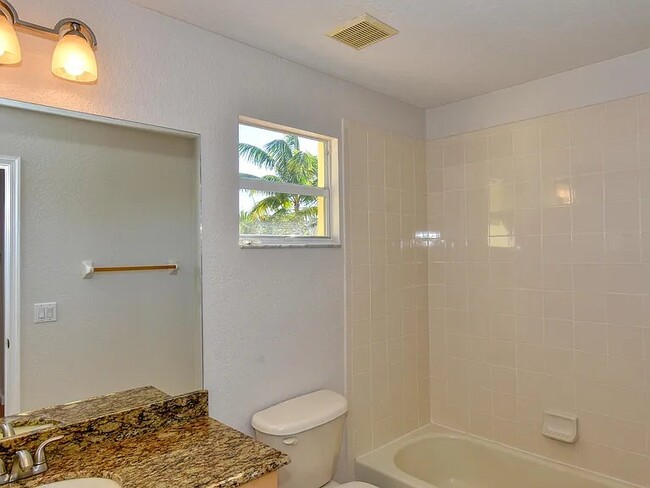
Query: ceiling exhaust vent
x=362, y=31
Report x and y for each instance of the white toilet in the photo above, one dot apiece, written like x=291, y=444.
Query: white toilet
x=309, y=429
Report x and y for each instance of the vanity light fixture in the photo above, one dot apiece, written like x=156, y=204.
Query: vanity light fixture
x=74, y=56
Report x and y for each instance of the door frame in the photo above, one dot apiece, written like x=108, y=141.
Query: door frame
x=11, y=268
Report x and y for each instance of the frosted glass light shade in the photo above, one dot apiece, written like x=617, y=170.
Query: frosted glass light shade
x=9, y=45
x=74, y=59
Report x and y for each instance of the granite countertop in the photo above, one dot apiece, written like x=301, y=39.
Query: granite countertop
x=200, y=453
x=81, y=410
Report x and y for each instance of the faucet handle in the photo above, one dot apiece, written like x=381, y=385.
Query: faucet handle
x=23, y=465
x=39, y=457
x=24, y=460
x=4, y=476
x=7, y=429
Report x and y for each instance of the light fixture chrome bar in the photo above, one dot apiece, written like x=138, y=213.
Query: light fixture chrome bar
x=66, y=24
x=35, y=27
x=8, y=11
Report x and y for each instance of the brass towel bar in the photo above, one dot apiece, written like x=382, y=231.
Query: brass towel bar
x=89, y=269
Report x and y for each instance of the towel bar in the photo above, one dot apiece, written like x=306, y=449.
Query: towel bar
x=89, y=269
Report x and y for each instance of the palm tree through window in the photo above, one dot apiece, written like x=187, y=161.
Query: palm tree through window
x=284, y=187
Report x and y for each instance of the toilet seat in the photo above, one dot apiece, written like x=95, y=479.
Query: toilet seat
x=357, y=484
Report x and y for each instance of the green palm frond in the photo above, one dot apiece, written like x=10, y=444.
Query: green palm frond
x=307, y=201
x=303, y=169
x=308, y=213
x=293, y=142
x=280, y=151
x=293, y=213
x=274, y=205
x=272, y=178
x=256, y=156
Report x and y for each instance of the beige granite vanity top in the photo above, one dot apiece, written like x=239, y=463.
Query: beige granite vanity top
x=89, y=408
x=198, y=453
x=166, y=442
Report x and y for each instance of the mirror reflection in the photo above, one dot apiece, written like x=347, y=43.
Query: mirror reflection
x=101, y=256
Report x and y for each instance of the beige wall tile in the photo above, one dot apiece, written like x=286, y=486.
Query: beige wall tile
x=587, y=125
x=620, y=119
x=500, y=145
x=555, y=132
x=587, y=158
x=388, y=374
x=532, y=280
x=526, y=138
x=556, y=309
x=476, y=150
x=620, y=155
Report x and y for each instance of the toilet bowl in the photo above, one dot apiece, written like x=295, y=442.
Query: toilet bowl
x=309, y=429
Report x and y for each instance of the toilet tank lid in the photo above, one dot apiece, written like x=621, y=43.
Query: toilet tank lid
x=300, y=414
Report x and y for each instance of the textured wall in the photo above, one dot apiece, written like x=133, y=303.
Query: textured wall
x=539, y=283
x=386, y=271
x=260, y=346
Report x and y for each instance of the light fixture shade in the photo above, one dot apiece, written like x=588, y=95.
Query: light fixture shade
x=9, y=45
x=74, y=59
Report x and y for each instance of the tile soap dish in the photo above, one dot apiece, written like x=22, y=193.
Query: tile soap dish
x=560, y=426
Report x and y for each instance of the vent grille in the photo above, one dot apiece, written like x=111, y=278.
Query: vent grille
x=362, y=31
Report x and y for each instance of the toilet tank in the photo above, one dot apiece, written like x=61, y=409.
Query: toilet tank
x=309, y=429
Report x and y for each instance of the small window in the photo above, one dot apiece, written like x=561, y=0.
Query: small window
x=287, y=187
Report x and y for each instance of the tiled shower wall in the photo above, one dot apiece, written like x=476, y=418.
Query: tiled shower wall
x=386, y=286
x=539, y=283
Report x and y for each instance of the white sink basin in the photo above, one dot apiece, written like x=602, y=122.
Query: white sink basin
x=83, y=483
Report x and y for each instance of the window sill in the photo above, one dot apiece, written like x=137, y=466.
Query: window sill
x=288, y=244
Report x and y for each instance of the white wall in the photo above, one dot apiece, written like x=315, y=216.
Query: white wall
x=273, y=319
x=616, y=78
x=119, y=196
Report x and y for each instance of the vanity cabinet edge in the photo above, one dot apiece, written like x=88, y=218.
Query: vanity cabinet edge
x=268, y=481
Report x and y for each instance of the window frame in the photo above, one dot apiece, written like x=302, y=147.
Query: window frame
x=330, y=193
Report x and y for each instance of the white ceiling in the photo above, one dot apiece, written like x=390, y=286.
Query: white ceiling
x=447, y=50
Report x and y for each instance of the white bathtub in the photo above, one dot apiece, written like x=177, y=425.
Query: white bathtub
x=434, y=457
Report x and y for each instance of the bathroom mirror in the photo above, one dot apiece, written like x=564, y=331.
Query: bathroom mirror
x=101, y=281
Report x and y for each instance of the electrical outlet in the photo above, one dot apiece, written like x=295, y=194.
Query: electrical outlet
x=44, y=312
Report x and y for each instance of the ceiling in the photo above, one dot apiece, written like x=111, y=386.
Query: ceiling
x=447, y=50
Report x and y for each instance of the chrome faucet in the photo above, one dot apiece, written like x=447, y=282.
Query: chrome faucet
x=7, y=429
x=4, y=476
x=24, y=466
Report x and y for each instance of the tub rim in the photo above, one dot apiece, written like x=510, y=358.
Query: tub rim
x=382, y=459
